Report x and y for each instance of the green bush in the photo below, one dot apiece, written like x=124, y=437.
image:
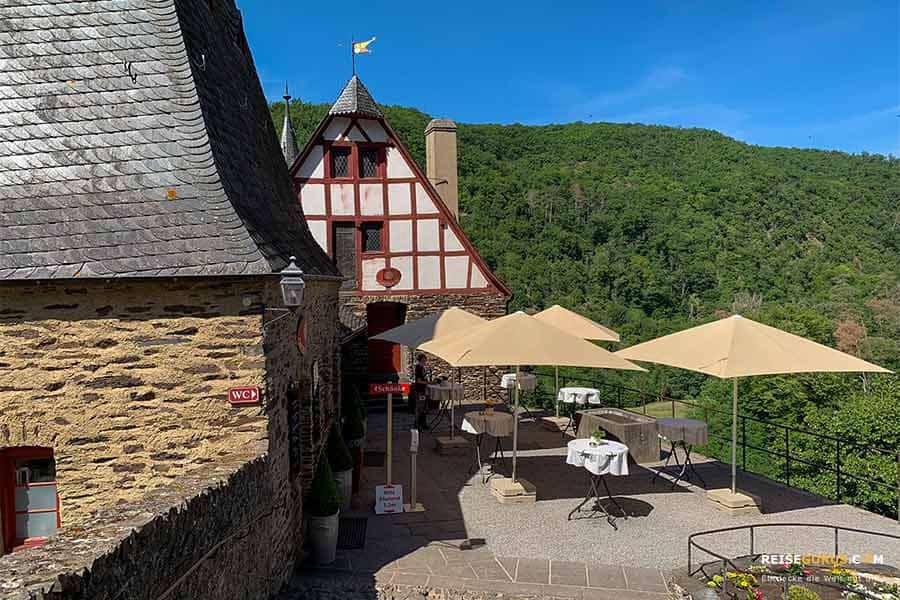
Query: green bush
x=354, y=426
x=324, y=499
x=795, y=592
x=338, y=454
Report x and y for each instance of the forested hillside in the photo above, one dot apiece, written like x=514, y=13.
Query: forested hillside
x=653, y=229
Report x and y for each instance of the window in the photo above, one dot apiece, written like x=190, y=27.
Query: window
x=368, y=162
x=340, y=162
x=28, y=481
x=371, y=237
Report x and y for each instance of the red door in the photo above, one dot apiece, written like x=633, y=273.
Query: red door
x=384, y=357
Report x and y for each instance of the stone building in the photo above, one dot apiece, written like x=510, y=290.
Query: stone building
x=392, y=229
x=146, y=219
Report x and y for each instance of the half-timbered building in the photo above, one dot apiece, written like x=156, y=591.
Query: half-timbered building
x=392, y=229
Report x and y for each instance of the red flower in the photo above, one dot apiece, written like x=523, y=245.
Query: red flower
x=758, y=594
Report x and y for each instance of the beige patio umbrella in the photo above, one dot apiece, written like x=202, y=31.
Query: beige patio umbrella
x=519, y=339
x=577, y=325
x=736, y=347
x=439, y=325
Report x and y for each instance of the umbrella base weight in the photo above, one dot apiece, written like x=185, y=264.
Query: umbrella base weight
x=508, y=492
x=740, y=503
x=417, y=508
x=456, y=446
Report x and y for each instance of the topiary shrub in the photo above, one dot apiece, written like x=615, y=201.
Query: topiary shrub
x=338, y=453
x=354, y=426
x=323, y=500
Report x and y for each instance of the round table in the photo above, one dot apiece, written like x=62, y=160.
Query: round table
x=497, y=425
x=684, y=433
x=607, y=458
x=576, y=396
x=527, y=381
x=446, y=394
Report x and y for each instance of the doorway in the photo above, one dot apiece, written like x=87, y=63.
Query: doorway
x=344, y=235
x=384, y=357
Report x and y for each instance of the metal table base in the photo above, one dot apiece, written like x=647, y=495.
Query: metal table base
x=597, y=506
x=685, y=468
x=495, y=457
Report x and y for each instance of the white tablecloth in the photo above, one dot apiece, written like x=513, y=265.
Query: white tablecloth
x=609, y=457
x=578, y=395
x=443, y=392
x=527, y=381
x=499, y=424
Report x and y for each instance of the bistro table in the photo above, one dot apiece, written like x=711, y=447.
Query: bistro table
x=685, y=433
x=497, y=425
x=527, y=383
x=446, y=394
x=576, y=396
x=606, y=458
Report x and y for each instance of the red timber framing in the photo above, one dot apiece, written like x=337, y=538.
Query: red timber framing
x=354, y=128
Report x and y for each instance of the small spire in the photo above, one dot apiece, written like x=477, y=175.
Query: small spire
x=355, y=99
x=288, y=139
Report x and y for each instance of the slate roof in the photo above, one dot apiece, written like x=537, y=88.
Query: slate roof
x=135, y=140
x=355, y=99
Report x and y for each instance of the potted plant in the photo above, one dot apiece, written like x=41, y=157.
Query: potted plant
x=597, y=437
x=323, y=507
x=341, y=462
x=354, y=435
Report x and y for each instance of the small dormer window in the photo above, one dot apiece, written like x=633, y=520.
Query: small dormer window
x=369, y=162
x=340, y=162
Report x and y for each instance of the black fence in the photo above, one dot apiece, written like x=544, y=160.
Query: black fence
x=797, y=457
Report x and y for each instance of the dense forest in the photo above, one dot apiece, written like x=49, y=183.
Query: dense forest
x=652, y=229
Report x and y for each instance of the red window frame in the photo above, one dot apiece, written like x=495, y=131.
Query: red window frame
x=351, y=162
x=380, y=160
x=8, y=485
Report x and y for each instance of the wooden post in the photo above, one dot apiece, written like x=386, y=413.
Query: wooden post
x=390, y=437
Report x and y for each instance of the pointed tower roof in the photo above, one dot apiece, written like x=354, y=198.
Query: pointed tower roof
x=355, y=99
x=288, y=139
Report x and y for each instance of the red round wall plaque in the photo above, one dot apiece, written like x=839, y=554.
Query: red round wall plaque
x=388, y=277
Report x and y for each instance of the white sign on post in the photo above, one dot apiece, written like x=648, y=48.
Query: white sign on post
x=388, y=499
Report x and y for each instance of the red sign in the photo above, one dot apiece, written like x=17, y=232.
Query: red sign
x=243, y=395
x=388, y=277
x=378, y=389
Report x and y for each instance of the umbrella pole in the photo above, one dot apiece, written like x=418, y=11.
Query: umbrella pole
x=734, y=410
x=515, y=426
x=556, y=395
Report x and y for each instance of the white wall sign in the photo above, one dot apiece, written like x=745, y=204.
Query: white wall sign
x=388, y=499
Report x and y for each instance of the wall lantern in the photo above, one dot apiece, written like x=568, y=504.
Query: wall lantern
x=292, y=284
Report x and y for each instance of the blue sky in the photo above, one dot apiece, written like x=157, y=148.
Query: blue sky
x=818, y=74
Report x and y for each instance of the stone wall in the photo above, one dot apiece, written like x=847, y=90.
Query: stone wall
x=128, y=382
x=488, y=305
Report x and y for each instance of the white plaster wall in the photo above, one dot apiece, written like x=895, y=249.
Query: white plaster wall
x=396, y=164
x=456, y=270
x=373, y=129
x=314, y=164
x=427, y=231
x=400, y=233
x=398, y=199
x=312, y=198
x=404, y=264
x=319, y=230
x=335, y=129
x=371, y=198
x=429, y=272
x=343, y=199
x=424, y=204
x=371, y=266
x=451, y=242
x=478, y=278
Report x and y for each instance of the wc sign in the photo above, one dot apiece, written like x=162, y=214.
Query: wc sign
x=243, y=395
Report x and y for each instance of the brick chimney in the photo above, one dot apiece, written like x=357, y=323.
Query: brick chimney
x=440, y=161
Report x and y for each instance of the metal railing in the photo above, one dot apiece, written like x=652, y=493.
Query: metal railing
x=725, y=563
x=782, y=443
